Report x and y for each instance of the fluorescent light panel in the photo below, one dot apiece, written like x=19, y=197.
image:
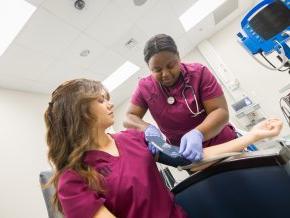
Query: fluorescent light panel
x=197, y=12
x=13, y=16
x=120, y=75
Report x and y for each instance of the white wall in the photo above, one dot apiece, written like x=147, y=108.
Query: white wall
x=23, y=154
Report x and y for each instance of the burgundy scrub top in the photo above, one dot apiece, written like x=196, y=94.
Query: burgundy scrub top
x=133, y=183
x=175, y=120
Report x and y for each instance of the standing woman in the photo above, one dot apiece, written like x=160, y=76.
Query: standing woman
x=185, y=100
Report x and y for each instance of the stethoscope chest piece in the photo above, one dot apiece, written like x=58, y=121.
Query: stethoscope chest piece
x=170, y=100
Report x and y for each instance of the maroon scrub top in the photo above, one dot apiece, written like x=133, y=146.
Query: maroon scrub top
x=175, y=120
x=132, y=180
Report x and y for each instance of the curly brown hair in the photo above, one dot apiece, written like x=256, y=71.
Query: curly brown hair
x=69, y=125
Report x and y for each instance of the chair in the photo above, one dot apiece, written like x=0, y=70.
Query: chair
x=48, y=194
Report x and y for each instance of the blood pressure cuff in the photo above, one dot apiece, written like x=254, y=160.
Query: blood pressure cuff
x=170, y=161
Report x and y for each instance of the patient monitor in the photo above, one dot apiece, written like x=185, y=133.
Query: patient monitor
x=266, y=36
x=266, y=30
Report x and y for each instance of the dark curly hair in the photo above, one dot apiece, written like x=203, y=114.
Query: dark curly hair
x=158, y=43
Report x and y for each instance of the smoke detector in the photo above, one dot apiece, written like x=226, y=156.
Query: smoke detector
x=85, y=53
x=139, y=2
x=79, y=4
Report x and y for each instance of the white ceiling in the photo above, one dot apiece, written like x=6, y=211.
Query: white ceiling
x=47, y=50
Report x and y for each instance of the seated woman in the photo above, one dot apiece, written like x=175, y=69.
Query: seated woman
x=103, y=175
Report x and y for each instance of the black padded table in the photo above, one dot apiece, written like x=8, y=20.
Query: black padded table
x=254, y=184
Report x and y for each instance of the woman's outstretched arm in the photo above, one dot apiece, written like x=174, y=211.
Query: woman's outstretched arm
x=265, y=129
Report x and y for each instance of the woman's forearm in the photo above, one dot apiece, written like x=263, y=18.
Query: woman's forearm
x=232, y=146
x=213, y=123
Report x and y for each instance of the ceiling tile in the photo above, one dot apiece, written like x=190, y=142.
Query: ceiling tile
x=83, y=42
x=134, y=12
x=60, y=71
x=107, y=63
x=161, y=20
x=46, y=33
x=135, y=53
x=23, y=63
x=110, y=25
x=35, y=2
x=181, y=8
x=78, y=18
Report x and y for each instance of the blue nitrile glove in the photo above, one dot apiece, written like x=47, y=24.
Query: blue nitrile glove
x=152, y=131
x=191, y=145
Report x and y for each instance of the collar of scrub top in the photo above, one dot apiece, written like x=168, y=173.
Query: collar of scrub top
x=185, y=74
x=169, y=98
x=186, y=77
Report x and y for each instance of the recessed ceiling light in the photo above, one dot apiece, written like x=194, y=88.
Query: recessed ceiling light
x=85, y=53
x=123, y=73
x=197, y=12
x=13, y=16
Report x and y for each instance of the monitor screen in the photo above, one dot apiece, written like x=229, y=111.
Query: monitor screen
x=242, y=104
x=271, y=20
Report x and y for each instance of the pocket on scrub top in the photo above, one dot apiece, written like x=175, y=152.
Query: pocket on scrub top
x=155, y=105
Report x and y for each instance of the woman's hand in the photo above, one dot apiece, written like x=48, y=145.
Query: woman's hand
x=152, y=131
x=191, y=145
x=267, y=128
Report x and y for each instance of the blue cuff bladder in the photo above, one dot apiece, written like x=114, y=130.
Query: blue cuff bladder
x=250, y=147
x=172, y=161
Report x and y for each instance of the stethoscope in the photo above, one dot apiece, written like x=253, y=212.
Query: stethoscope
x=171, y=100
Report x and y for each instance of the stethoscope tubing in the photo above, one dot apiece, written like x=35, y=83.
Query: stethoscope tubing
x=171, y=100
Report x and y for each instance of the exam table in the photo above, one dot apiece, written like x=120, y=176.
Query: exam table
x=254, y=184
